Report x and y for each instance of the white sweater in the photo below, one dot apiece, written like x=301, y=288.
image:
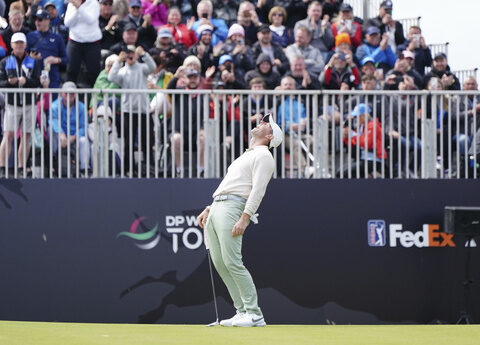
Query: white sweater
x=248, y=177
x=83, y=22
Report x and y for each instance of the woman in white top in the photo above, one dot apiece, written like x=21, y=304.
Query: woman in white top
x=84, y=39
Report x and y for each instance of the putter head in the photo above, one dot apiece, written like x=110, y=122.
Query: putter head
x=216, y=323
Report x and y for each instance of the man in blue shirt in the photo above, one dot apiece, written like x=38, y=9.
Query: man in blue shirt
x=67, y=115
x=220, y=28
x=47, y=47
x=377, y=47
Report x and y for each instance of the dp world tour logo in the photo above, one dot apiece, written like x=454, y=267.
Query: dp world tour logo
x=148, y=239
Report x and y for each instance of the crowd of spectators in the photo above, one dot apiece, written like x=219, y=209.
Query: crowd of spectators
x=229, y=44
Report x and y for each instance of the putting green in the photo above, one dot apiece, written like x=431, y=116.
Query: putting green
x=46, y=333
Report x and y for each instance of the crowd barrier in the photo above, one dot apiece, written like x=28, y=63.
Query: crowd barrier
x=198, y=133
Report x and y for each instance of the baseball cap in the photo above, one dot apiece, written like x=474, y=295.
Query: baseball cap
x=42, y=14
x=360, y=109
x=277, y=131
x=264, y=27
x=408, y=54
x=367, y=59
x=191, y=72
x=135, y=3
x=223, y=59
x=372, y=30
x=129, y=26
x=50, y=3
x=104, y=111
x=164, y=32
x=440, y=56
x=69, y=85
x=19, y=37
x=204, y=28
x=346, y=8
x=386, y=4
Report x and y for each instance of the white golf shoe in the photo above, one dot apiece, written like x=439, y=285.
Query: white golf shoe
x=250, y=320
x=229, y=322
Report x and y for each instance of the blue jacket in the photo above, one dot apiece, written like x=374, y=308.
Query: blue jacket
x=384, y=57
x=49, y=44
x=286, y=117
x=58, y=107
x=220, y=31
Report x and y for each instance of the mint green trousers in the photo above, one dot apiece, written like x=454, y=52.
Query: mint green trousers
x=226, y=253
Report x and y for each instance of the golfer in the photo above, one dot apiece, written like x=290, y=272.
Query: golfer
x=234, y=202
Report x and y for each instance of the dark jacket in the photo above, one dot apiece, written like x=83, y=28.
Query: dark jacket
x=10, y=67
x=423, y=57
x=332, y=79
x=109, y=38
x=277, y=54
x=272, y=78
x=377, y=21
x=243, y=62
x=207, y=60
x=146, y=37
x=7, y=36
x=438, y=74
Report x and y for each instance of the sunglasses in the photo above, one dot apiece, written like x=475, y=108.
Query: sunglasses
x=107, y=3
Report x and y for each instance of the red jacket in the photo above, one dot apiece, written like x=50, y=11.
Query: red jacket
x=181, y=34
x=372, y=127
x=355, y=37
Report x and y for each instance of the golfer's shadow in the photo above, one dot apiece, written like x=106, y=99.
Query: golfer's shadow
x=194, y=290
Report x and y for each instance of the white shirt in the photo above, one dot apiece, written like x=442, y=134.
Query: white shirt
x=248, y=177
x=83, y=22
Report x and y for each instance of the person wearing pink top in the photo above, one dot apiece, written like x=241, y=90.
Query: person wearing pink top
x=157, y=10
x=182, y=33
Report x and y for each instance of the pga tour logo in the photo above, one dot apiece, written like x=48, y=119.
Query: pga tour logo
x=182, y=229
x=376, y=233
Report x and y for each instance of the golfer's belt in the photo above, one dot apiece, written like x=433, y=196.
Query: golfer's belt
x=224, y=197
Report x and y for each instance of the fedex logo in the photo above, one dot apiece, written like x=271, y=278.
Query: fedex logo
x=429, y=236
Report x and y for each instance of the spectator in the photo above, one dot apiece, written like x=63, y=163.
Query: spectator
x=66, y=110
x=369, y=139
x=377, y=48
x=181, y=33
x=193, y=62
x=386, y=25
x=129, y=37
x=108, y=22
x=248, y=19
x=241, y=54
x=281, y=34
x=265, y=71
x=343, y=45
x=102, y=82
x=345, y=24
x=416, y=44
x=159, y=80
x=228, y=74
x=402, y=67
x=16, y=24
x=173, y=53
x=120, y=7
x=330, y=8
x=157, y=10
x=304, y=80
x=220, y=28
x=255, y=104
x=57, y=25
x=312, y=56
x=60, y=6
x=84, y=39
x=369, y=83
x=203, y=49
x=292, y=117
x=227, y=10
x=322, y=36
x=272, y=49
x=341, y=73
x=146, y=32
x=296, y=9
x=441, y=70
x=18, y=70
x=48, y=47
x=135, y=108
x=96, y=131
x=186, y=8
x=181, y=136
x=368, y=68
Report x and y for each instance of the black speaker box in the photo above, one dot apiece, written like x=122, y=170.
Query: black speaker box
x=461, y=220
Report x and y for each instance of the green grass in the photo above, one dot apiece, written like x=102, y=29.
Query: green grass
x=43, y=333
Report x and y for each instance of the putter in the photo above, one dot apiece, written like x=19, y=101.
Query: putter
x=216, y=323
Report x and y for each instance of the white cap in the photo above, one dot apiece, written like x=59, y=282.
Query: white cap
x=277, y=131
x=104, y=111
x=69, y=85
x=18, y=36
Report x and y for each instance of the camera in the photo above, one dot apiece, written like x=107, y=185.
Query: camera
x=228, y=66
x=398, y=79
x=205, y=15
x=240, y=41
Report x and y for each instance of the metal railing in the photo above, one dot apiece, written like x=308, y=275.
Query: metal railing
x=463, y=74
x=198, y=133
x=408, y=22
